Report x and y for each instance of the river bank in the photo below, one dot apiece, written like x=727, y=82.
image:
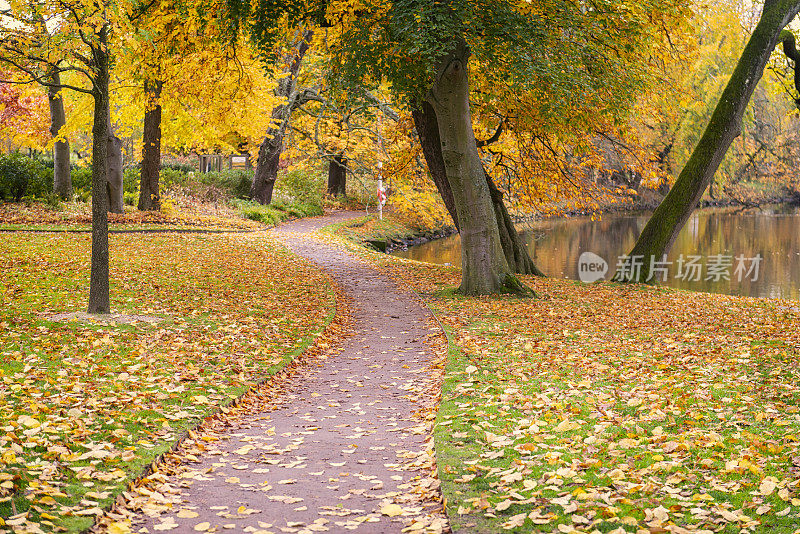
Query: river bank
x=648, y=200
x=395, y=234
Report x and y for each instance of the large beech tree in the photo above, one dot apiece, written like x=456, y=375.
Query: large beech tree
x=183, y=65
x=428, y=49
x=724, y=126
x=515, y=250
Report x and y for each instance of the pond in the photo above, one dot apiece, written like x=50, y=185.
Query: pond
x=752, y=252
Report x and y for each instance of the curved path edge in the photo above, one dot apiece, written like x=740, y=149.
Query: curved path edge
x=341, y=444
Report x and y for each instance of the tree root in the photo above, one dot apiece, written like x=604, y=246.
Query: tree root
x=512, y=285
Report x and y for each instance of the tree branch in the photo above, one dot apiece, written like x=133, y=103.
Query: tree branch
x=494, y=137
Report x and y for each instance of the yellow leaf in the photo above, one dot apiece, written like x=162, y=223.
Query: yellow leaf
x=391, y=510
x=119, y=527
x=566, y=425
x=28, y=421
x=187, y=514
x=504, y=505
x=202, y=527
x=767, y=486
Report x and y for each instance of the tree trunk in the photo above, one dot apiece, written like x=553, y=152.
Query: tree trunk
x=62, y=180
x=428, y=131
x=114, y=170
x=269, y=158
x=790, y=49
x=269, y=153
x=337, y=176
x=671, y=215
x=484, y=269
x=99, y=301
x=427, y=126
x=149, y=198
x=517, y=256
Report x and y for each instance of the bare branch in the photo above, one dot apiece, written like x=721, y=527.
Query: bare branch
x=39, y=78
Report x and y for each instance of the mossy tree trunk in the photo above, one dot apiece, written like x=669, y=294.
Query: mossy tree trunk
x=484, y=269
x=269, y=153
x=99, y=300
x=428, y=131
x=426, y=124
x=517, y=256
x=671, y=215
x=337, y=176
x=149, y=197
x=62, y=179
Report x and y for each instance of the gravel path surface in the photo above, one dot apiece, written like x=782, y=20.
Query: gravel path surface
x=339, y=448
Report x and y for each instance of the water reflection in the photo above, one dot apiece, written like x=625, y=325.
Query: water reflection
x=555, y=245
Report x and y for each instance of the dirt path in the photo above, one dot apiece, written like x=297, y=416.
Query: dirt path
x=340, y=450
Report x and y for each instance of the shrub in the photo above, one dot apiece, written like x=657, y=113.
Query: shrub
x=130, y=181
x=302, y=186
x=256, y=212
x=53, y=201
x=181, y=168
x=234, y=182
x=21, y=176
x=82, y=182
x=40, y=184
x=171, y=175
x=276, y=212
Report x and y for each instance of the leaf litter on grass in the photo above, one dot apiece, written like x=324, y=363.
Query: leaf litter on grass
x=611, y=408
x=87, y=405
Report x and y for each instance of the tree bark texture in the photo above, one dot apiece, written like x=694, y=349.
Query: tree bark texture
x=517, y=256
x=484, y=269
x=149, y=197
x=114, y=183
x=671, y=215
x=337, y=176
x=62, y=179
x=99, y=301
x=516, y=252
x=428, y=131
x=269, y=153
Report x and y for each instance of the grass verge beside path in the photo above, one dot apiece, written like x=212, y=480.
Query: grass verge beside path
x=87, y=406
x=610, y=408
x=380, y=234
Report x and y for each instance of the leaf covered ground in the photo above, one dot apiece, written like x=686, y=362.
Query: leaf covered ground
x=86, y=406
x=187, y=214
x=612, y=408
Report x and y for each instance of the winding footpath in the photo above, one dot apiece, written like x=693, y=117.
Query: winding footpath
x=341, y=446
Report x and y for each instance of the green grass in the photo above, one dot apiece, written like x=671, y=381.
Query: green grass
x=376, y=233
x=236, y=309
x=277, y=211
x=468, y=412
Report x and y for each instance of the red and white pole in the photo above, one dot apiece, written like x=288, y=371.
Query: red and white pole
x=381, y=191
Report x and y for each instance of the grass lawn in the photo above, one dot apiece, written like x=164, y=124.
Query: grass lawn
x=187, y=214
x=86, y=406
x=610, y=408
